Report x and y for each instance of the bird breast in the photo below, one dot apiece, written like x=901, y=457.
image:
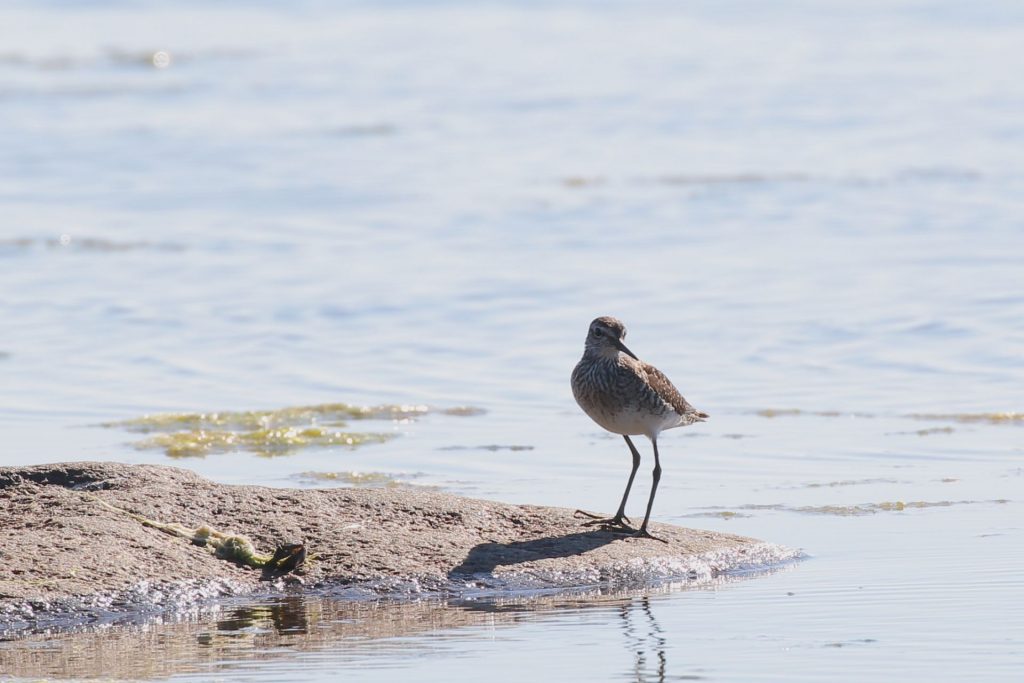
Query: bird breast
x=618, y=398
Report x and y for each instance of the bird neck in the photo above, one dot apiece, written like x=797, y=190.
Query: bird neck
x=602, y=353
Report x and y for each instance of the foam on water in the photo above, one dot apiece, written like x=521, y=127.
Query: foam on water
x=158, y=601
x=145, y=601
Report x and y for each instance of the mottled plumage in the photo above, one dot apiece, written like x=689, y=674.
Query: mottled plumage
x=627, y=396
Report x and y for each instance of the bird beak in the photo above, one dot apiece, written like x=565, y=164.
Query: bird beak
x=622, y=347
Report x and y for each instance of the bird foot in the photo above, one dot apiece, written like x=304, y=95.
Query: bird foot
x=618, y=523
x=644, y=533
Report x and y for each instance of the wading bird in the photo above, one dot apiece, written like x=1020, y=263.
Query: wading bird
x=627, y=396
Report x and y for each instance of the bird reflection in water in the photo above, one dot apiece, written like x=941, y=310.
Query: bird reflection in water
x=644, y=639
x=287, y=615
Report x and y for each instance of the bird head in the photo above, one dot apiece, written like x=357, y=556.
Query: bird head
x=605, y=337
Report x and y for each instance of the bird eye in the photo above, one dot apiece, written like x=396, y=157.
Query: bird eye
x=596, y=332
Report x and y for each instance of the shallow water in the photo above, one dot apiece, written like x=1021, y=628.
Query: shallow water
x=809, y=218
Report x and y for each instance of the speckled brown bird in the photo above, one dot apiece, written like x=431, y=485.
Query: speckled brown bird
x=627, y=396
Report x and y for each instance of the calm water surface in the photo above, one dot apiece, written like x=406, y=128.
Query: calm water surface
x=810, y=218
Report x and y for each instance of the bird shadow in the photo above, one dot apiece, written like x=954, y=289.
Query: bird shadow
x=485, y=557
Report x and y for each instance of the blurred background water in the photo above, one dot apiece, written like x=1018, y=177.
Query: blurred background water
x=809, y=215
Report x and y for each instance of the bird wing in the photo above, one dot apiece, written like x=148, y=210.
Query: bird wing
x=669, y=393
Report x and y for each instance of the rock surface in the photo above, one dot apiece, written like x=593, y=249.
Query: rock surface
x=62, y=551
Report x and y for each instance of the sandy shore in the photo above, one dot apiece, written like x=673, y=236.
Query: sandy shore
x=74, y=550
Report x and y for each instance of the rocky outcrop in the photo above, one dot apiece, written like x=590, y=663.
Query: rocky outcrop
x=73, y=547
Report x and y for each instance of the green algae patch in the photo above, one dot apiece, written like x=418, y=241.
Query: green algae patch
x=489, y=447
x=847, y=482
x=718, y=514
x=851, y=510
x=965, y=418
x=68, y=242
x=972, y=418
x=772, y=413
x=367, y=479
x=778, y=412
x=463, y=411
x=265, y=442
x=885, y=506
x=336, y=414
x=271, y=432
x=930, y=431
x=576, y=182
x=225, y=546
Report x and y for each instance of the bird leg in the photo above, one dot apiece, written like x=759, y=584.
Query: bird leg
x=642, y=531
x=620, y=522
